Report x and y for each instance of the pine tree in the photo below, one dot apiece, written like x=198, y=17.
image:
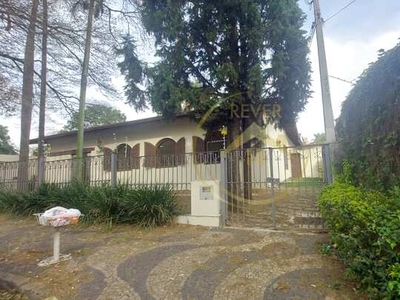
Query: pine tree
x=217, y=55
x=226, y=52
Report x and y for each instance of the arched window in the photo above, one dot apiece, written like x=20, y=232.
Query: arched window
x=213, y=143
x=166, y=150
x=123, y=157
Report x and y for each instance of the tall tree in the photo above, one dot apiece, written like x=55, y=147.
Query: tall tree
x=225, y=54
x=43, y=93
x=66, y=43
x=6, y=147
x=10, y=97
x=27, y=97
x=230, y=52
x=95, y=8
x=83, y=87
x=65, y=49
x=96, y=115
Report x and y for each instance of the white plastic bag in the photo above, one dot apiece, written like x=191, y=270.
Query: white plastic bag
x=59, y=216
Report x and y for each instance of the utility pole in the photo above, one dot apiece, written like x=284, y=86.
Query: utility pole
x=323, y=71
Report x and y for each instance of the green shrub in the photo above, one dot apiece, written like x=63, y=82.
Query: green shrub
x=150, y=207
x=365, y=229
x=104, y=204
x=30, y=202
x=146, y=207
x=346, y=174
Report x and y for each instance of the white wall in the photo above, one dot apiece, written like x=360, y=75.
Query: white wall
x=8, y=157
x=151, y=132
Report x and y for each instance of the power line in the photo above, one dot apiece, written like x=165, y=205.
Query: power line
x=312, y=29
x=342, y=9
x=341, y=79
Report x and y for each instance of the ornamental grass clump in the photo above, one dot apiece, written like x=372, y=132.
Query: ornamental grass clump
x=151, y=207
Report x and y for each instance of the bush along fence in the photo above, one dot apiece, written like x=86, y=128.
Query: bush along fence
x=365, y=229
x=145, y=206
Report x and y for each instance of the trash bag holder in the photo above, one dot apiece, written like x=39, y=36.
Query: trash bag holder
x=57, y=257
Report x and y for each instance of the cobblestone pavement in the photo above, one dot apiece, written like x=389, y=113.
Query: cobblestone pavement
x=176, y=262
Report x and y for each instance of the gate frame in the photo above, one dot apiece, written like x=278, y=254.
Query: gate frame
x=327, y=150
x=223, y=189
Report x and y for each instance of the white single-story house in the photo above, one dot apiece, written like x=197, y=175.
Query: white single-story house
x=177, y=152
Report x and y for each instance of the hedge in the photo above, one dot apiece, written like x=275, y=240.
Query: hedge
x=365, y=229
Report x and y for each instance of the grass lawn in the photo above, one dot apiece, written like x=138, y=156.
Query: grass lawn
x=303, y=182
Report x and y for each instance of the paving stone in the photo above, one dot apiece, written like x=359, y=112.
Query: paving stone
x=180, y=262
x=136, y=270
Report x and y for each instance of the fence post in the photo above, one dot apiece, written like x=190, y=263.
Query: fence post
x=326, y=153
x=271, y=168
x=113, y=169
x=223, y=188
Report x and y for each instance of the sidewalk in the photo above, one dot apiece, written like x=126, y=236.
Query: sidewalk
x=176, y=262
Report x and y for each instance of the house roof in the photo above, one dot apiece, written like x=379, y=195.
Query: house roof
x=291, y=130
x=293, y=134
x=104, y=127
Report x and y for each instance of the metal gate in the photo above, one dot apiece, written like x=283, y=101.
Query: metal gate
x=275, y=187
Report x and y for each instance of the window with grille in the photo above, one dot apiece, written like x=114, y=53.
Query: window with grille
x=166, y=153
x=123, y=157
x=213, y=154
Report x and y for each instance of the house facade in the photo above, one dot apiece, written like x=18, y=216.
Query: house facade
x=155, y=132
x=177, y=152
x=156, y=150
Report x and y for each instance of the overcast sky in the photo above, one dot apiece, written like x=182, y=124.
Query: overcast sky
x=352, y=40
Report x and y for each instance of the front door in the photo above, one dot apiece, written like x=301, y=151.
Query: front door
x=295, y=163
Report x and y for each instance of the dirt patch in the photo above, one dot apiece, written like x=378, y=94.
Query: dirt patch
x=280, y=250
x=311, y=284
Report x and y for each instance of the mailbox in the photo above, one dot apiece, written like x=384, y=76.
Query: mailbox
x=206, y=192
x=205, y=198
x=205, y=204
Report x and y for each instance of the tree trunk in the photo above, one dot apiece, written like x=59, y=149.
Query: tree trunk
x=82, y=96
x=247, y=178
x=42, y=108
x=27, y=98
x=233, y=172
